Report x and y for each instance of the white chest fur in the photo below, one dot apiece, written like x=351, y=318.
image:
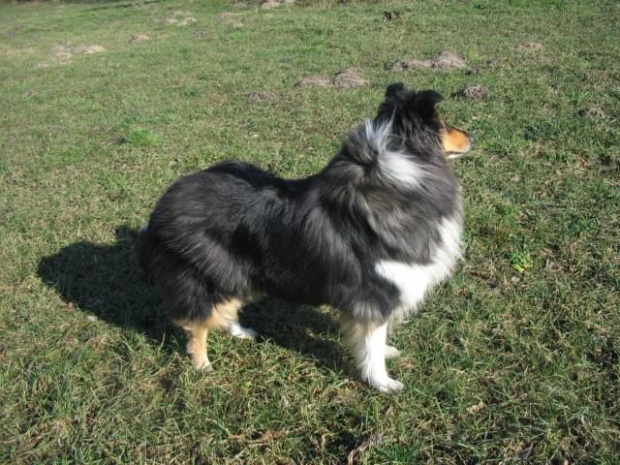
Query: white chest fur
x=414, y=281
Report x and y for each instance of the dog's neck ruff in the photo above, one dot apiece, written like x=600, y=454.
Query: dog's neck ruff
x=414, y=281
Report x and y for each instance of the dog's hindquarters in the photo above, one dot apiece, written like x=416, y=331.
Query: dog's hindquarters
x=188, y=297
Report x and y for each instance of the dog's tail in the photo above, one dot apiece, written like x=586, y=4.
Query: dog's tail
x=374, y=152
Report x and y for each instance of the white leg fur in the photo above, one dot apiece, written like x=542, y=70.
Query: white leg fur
x=236, y=330
x=367, y=342
x=391, y=352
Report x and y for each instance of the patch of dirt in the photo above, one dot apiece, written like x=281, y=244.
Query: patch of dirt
x=356, y=455
x=187, y=20
x=475, y=92
x=179, y=18
x=313, y=81
x=139, y=38
x=479, y=407
x=391, y=15
x=231, y=19
x=406, y=65
x=593, y=113
x=89, y=49
x=271, y=4
x=62, y=53
x=346, y=79
x=527, y=47
x=42, y=65
x=446, y=60
x=263, y=96
x=350, y=78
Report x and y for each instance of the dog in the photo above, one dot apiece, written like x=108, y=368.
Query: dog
x=369, y=235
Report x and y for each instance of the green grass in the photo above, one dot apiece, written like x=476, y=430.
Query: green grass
x=528, y=329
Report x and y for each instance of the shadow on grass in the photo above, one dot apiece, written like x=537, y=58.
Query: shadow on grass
x=300, y=328
x=106, y=281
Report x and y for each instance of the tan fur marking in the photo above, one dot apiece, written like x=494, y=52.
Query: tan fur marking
x=455, y=141
x=197, y=344
x=222, y=316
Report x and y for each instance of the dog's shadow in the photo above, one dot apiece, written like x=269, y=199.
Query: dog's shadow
x=106, y=281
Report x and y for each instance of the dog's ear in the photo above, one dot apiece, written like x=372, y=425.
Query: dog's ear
x=394, y=90
x=424, y=103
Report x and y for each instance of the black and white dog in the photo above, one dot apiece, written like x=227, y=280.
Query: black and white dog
x=370, y=234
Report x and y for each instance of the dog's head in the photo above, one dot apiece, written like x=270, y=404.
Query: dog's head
x=415, y=120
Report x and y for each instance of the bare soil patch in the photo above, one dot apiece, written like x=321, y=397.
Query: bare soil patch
x=350, y=78
x=313, y=81
x=528, y=47
x=89, y=49
x=263, y=96
x=271, y=4
x=180, y=18
x=406, y=65
x=391, y=15
x=446, y=60
x=139, y=38
x=475, y=92
x=593, y=113
x=231, y=19
x=64, y=53
x=346, y=79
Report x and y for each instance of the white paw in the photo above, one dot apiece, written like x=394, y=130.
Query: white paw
x=391, y=352
x=189, y=347
x=387, y=385
x=242, y=332
x=204, y=366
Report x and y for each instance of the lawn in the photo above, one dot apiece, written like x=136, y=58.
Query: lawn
x=514, y=360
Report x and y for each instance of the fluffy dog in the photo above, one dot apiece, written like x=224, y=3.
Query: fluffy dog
x=369, y=235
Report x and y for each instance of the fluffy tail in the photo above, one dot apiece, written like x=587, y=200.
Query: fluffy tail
x=375, y=147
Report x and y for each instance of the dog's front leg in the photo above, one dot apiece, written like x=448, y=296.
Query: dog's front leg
x=367, y=341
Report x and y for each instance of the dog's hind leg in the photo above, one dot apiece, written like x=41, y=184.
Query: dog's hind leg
x=367, y=341
x=225, y=315
x=197, y=344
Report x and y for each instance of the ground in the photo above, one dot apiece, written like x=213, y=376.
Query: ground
x=515, y=360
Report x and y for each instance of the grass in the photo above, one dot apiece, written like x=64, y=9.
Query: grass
x=515, y=360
